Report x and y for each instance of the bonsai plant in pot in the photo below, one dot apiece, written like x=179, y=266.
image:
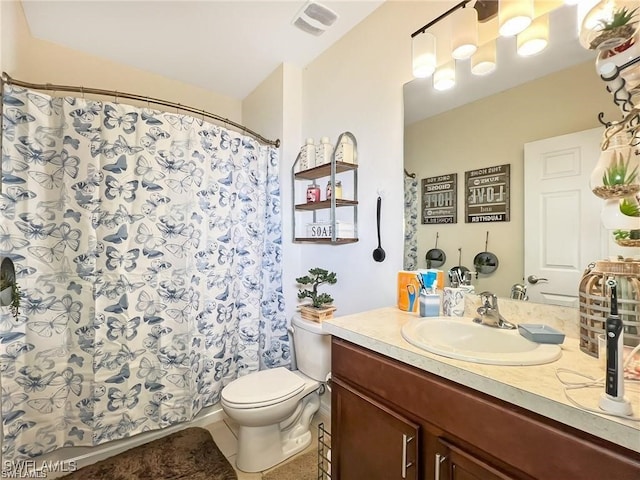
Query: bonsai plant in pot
x=320, y=307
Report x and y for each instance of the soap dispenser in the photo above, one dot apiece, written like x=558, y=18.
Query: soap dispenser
x=307, y=155
x=344, y=151
x=324, y=151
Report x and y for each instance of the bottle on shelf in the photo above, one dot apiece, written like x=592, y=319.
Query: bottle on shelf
x=337, y=191
x=313, y=193
x=307, y=155
x=324, y=150
x=344, y=151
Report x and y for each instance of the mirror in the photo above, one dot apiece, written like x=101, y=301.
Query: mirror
x=486, y=121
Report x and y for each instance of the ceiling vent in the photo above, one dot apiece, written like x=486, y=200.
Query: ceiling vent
x=314, y=18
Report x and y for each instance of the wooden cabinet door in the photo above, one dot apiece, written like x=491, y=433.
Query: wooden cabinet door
x=369, y=440
x=453, y=463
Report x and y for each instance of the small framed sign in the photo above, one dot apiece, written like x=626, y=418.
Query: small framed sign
x=487, y=194
x=439, y=199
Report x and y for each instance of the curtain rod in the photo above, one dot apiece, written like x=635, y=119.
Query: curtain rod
x=132, y=96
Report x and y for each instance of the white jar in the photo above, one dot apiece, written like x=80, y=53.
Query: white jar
x=324, y=151
x=307, y=155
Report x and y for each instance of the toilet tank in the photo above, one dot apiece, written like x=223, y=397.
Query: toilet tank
x=312, y=347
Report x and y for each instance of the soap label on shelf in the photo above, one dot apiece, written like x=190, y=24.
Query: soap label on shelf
x=325, y=230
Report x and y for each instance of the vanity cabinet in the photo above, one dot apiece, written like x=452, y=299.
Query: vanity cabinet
x=384, y=440
x=306, y=212
x=460, y=433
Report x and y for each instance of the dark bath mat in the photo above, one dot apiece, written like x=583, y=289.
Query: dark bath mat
x=189, y=454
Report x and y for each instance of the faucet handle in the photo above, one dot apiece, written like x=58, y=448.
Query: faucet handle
x=489, y=299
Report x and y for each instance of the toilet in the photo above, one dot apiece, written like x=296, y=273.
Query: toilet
x=273, y=408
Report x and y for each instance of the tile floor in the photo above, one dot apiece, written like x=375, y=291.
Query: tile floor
x=225, y=433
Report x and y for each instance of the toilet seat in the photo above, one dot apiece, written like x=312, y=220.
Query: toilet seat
x=263, y=388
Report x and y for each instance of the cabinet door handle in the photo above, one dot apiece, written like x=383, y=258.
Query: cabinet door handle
x=405, y=465
x=439, y=460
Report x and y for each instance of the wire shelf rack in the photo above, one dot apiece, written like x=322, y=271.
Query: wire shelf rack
x=324, y=453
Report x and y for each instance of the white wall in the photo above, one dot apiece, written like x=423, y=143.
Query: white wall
x=274, y=109
x=356, y=85
x=33, y=60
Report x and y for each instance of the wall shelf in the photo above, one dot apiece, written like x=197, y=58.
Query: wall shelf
x=324, y=171
x=328, y=171
x=327, y=241
x=326, y=204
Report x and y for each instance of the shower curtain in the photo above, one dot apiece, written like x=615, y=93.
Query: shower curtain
x=410, y=223
x=148, y=250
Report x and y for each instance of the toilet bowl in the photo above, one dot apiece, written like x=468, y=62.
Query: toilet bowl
x=274, y=408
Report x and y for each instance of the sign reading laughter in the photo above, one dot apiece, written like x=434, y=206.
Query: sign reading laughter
x=439, y=197
x=487, y=194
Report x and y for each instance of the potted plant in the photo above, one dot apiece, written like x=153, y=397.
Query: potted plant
x=614, y=32
x=9, y=288
x=629, y=207
x=619, y=178
x=320, y=307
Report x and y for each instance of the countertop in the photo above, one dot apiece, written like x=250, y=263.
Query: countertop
x=535, y=387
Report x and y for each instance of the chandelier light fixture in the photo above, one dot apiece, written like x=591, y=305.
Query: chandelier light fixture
x=464, y=33
x=484, y=61
x=468, y=31
x=514, y=16
x=424, y=55
x=534, y=38
x=444, y=78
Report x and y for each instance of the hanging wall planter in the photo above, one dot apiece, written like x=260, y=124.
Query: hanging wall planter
x=9, y=289
x=616, y=173
x=610, y=25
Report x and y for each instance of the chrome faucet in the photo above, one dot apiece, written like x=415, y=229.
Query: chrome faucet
x=489, y=314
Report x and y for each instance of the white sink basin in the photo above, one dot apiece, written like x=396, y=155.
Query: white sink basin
x=463, y=339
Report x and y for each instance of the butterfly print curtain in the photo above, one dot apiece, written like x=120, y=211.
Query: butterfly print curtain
x=148, y=250
x=410, y=223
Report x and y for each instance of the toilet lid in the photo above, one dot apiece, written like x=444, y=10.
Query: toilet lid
x=263, y=388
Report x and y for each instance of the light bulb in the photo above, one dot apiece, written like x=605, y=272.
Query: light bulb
x=483, y=62
x=514, y=16
x=424, y=54
x=535, y=38
x=464, y=35
x=444, y=78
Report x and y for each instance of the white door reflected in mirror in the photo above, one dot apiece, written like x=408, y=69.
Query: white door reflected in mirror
x=562, y=217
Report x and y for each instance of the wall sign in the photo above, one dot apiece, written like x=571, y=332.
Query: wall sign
x=439, y=199
x=487, y=194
